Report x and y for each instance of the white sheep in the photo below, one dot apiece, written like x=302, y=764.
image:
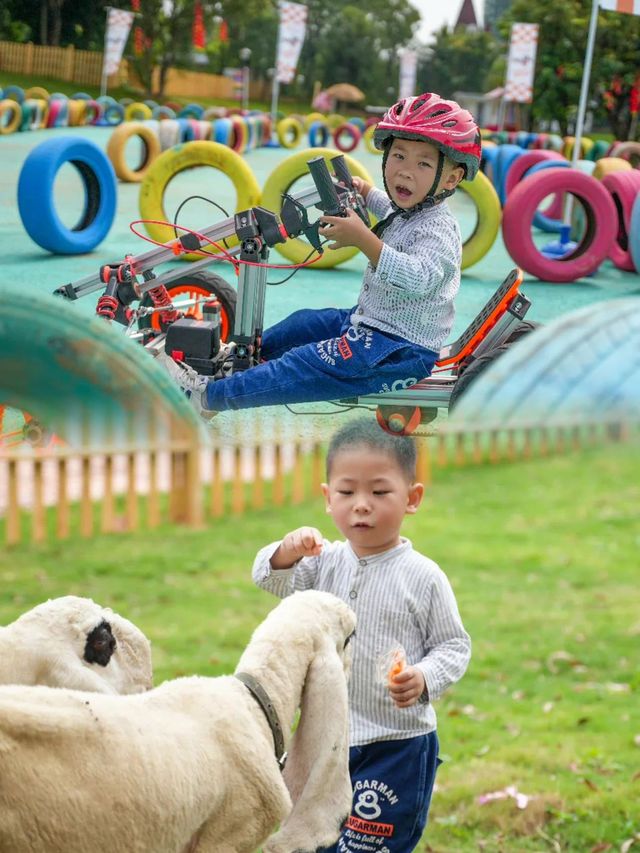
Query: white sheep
x=190, y=765
x=73, y=642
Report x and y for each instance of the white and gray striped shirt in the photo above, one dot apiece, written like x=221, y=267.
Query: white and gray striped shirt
x=412, y=290
x=400, y=597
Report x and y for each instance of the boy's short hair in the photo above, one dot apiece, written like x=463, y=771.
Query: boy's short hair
x=366, y=432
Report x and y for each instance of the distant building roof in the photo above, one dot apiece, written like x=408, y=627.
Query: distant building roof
x=467, y=16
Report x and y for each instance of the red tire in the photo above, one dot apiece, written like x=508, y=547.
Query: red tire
x=624, y=188
x=600, y=215
x=522, y=165
x=349, y=130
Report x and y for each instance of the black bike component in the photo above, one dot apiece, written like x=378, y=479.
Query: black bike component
x=329, y=200
x=194, y=342
x=475, y=369
x=295, y=221
x=269, y=226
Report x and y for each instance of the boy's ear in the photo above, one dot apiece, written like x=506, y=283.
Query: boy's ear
x=325, y=492
x=414, y=498
x=456, y=175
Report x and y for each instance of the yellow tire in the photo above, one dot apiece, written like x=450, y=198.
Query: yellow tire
x=37, y=92
x=190, y=156
x=282, y=179
x=607, y=165
x=77, y=112
x=335, y=120
x=118, y=143
x=137, y=112
x=10, y=116
x=489, y=216
x=311, y=117
x=367, y=136
x=586, y=145
x=289, y=131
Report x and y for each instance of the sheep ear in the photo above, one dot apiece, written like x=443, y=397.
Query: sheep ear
x=317, y=769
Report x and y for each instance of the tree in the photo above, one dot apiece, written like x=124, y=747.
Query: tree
x=459, y=61
x=562, y=43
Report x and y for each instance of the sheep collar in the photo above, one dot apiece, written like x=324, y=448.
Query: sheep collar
x=262, y=698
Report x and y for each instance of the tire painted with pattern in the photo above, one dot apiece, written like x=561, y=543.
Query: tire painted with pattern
x=489, y=214
x=282, y=178
x=518, y=218
x=116, y=150
x=624, y=188
x=188, y=156
x=36, y=202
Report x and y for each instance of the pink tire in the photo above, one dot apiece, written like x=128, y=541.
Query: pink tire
x=351, y=132
x=522, y=165
x=624, y=188
x=521, y=206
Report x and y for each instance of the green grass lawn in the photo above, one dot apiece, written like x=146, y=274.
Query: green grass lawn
x=543, y=557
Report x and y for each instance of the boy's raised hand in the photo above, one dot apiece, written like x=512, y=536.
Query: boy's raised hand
x=350, y=230
x=301, y=542
x=407, y=686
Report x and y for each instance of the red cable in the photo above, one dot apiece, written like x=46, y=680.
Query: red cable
x=225, y=255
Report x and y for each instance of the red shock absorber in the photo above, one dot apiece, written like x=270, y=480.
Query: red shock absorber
x=108, y=303
x=160, y=297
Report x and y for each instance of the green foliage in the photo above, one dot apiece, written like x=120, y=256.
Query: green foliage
x=12, y=29
x=562, y=45
x=458, y=61
x=543, y=557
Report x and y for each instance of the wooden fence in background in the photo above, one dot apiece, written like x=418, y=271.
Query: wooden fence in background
x=58, y=492
x=85, y=68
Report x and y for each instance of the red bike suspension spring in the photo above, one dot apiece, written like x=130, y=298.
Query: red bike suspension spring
x=160, y=297
x=107, y=307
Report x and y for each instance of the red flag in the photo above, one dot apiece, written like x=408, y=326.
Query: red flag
x=197, y=34
x=223, y=34
x=138, y=35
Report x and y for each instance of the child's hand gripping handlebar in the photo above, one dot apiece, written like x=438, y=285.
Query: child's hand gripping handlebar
x=335, y=199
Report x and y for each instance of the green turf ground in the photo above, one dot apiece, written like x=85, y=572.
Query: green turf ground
x=543, y=557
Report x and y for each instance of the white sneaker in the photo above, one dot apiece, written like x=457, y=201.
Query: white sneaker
x=192, y=383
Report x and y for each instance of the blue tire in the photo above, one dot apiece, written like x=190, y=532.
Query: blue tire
x=540, y=220
x=36, y=202
x=634, y=233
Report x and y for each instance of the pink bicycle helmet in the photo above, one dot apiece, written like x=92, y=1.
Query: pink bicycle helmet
x=443, y=123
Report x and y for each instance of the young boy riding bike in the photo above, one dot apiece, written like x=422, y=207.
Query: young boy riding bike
x=393, y=336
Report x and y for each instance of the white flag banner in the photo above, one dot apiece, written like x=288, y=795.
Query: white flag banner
x=408, y=72
x=631, y=7
x=521, y=63
x=291, y=31
x=118, y=27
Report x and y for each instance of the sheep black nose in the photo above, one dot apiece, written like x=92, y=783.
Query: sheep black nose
x=100, y=644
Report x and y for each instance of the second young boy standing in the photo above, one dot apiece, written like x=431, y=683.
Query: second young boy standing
x=401, y=598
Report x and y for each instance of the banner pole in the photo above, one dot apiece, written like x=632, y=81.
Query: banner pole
x=582, y=105
x=103, y=79
x=275, y=90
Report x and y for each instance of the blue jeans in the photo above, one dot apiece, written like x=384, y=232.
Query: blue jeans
x=392, y=785
x=318, y=356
